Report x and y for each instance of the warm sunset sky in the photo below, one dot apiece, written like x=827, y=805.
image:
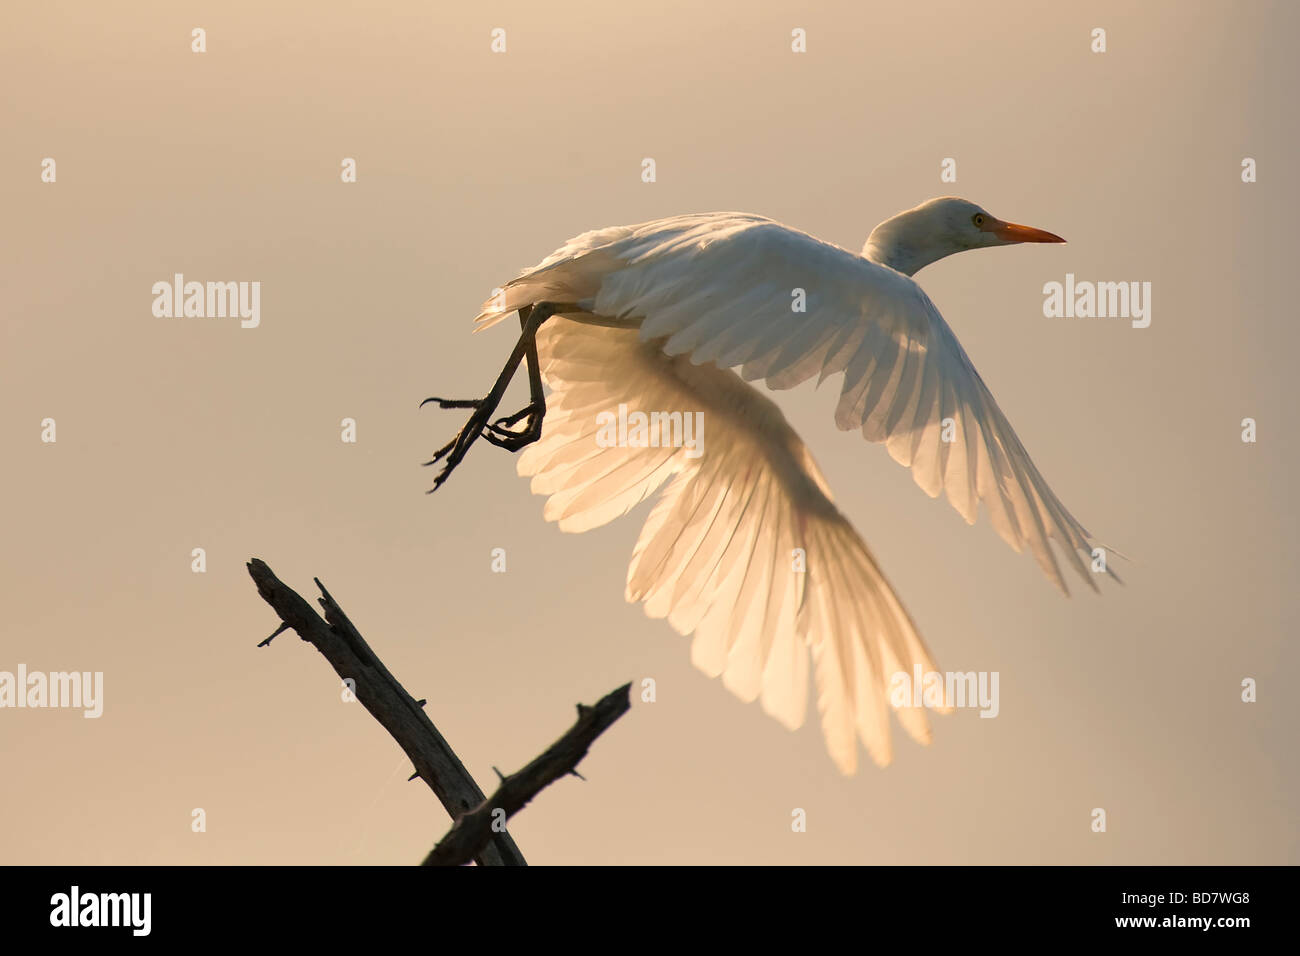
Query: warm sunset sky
x=174, y=434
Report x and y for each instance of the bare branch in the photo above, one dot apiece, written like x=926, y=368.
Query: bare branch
x=472, y=831
x=387, y=701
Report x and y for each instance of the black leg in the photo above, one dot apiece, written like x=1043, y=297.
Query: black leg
x=530, y=319
x=500, y=433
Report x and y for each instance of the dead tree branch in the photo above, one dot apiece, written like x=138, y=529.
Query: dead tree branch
x=386, y=700
x=472, y=836
x=472, y=831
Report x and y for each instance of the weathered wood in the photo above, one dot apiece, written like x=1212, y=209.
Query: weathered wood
x=387, y=701
x=474, y=830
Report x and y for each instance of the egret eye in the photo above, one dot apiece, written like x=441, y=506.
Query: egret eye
x=979, y=219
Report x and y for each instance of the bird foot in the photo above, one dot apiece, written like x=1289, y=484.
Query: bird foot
x=499, y=432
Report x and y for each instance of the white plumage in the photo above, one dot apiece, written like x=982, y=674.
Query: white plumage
x=667, y=308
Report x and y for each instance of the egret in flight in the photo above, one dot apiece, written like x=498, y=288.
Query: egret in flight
x=744, y=547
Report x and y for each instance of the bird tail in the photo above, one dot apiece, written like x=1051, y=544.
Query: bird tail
x=574, y=280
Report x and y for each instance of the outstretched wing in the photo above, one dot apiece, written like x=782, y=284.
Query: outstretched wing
x=744, y=548
x=739, y=290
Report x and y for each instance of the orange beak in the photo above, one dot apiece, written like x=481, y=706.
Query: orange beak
x=1012, y=232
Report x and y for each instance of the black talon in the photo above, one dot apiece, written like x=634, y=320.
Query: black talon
x=453, y=402
x=441, y=452
x=516, y=417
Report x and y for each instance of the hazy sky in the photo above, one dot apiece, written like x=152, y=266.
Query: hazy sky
x=183, y=433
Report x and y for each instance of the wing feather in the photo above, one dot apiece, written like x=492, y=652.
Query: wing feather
x=716, y=556
x=720, y=287
x=663, y=310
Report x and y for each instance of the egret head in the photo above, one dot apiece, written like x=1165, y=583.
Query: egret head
x=915, y=238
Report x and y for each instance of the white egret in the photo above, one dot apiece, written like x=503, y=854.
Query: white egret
x=744, y=547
